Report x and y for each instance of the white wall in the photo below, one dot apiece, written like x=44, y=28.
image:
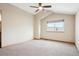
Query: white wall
x=17, y=25
x=0, y=21
x=37, y=19
x=69, y=31
x=77, y=30
x=68, y=35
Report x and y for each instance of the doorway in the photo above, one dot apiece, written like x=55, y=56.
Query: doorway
x=0, y=29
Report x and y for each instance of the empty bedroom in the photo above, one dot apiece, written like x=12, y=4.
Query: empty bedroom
x=39, y=29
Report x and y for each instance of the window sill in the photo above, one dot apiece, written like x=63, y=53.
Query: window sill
x=56, y=31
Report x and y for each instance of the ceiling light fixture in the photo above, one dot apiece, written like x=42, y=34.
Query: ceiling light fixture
x=40, y=8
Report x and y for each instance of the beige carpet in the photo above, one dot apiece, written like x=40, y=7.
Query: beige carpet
x=40, y=48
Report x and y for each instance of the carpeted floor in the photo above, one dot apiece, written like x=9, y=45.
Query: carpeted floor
x=40, y=48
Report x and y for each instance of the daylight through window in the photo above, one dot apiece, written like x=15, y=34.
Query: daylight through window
x=55, y=25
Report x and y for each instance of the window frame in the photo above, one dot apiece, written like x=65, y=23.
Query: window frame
x=56, y=21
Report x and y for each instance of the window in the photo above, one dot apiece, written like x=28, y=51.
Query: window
x=55, y=25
